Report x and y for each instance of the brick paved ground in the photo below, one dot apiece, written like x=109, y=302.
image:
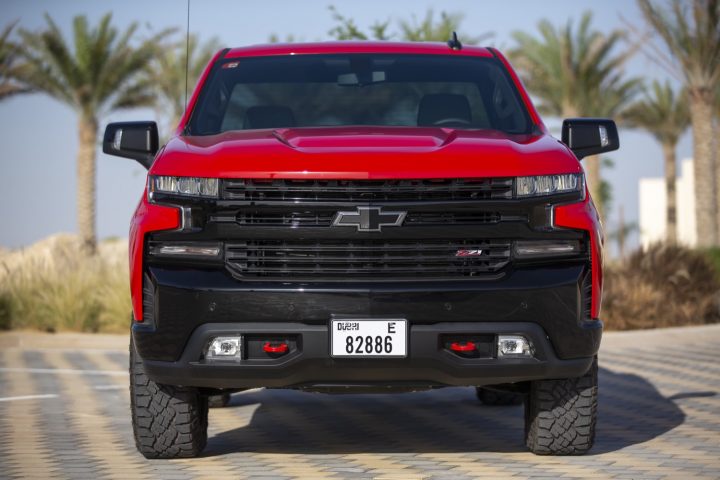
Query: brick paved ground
x=64, y=414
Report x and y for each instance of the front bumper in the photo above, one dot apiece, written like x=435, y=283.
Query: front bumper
x=190, y=306
x=310, y=365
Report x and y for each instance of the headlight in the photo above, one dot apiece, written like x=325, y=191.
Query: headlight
x=549, y=184
x=188, y=186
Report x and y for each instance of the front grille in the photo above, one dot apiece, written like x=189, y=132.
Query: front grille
x=368, y=190
x=324, y=219
x=404, y=258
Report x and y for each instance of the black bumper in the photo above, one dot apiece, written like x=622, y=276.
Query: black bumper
x=543, y=303
x=310, y=365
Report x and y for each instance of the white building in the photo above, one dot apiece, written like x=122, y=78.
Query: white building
x=653, y=202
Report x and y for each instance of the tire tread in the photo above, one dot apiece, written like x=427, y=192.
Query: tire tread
x=168, y=421
x=560, y=415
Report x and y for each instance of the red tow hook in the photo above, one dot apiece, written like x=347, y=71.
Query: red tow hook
x=463, y=347
x=270, y=347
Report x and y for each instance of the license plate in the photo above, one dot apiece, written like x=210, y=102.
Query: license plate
x=368, y=338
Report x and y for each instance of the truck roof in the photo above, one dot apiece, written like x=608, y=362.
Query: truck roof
x=355, y=47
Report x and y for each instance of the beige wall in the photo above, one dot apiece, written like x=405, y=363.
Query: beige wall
x=653, y=202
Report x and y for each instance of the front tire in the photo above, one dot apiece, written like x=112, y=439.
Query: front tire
x=560, y=415
x=168, y=421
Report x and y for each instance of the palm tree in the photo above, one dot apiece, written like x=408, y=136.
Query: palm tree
x=167, y=74
x=9, y=65
x=576, y=73
x=621, y=233
x=693, y=41
x=427, y=30
x=665, y=115
x=347, y=29
x=101, y=74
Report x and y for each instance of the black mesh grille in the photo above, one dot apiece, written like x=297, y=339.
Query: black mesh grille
x=324, y=219
x=368, y=190
x=385, y=258
x=586, y=295
x=148, y=301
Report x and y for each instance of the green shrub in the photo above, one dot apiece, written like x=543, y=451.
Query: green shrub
x=713, y=255
x=663, y=286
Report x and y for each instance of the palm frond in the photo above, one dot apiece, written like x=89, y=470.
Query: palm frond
x=575, y=70
x=692, y=39
x=10, y=64
x=102, y=71
x=661, y=112
x=431, y=30
x=167, y=72
x=428, y=29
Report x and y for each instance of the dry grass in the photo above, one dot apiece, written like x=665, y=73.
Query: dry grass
x=662, y=287
x=53, y=286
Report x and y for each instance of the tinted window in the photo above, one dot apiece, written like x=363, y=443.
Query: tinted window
x=359, y=89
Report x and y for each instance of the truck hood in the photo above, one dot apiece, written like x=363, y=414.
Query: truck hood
x=364, y=153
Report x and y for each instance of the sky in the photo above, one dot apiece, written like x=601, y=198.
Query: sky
x=39, y=135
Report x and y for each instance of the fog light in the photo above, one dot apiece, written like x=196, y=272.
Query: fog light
x=514, y=346
x=225, y=348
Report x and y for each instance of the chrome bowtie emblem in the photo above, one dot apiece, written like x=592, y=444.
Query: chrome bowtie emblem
x=368, y=219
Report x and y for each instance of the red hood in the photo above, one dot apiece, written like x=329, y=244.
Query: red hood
x=364, y=152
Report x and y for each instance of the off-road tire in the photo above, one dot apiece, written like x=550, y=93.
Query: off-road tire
x=218, y=401
x=498, y=398
x=168, y=421
x=560, y=415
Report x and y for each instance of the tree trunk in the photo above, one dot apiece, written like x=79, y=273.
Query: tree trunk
x=87, y=130
x=591, y=165
x=670, y=178
x=714, y=146
x=622, y=232
x=594, y=180
x=704, y=169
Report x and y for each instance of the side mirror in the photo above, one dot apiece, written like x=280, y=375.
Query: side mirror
x=590, y=136
x=136, y=140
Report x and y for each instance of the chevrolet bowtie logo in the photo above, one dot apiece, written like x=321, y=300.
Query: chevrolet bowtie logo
x=368, y=219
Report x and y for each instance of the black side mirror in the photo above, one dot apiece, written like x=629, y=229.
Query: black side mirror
x=136, y=140
x=590, y=136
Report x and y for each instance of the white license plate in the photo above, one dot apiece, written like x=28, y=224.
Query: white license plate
x=368, y=338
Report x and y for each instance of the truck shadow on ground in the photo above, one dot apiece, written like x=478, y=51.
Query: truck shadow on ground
x=631, y=411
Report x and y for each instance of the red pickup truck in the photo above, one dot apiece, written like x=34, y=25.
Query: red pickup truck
x=361, y=217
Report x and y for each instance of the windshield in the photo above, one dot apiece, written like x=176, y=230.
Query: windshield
x=358, y=89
